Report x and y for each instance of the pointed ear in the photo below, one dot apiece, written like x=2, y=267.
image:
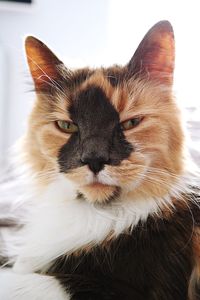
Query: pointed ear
x=43, y=64
x=154, y=56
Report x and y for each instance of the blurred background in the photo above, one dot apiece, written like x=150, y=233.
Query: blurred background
x=95, y=33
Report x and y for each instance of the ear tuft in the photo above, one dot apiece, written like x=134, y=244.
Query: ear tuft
x=155, y=55
x=43, y=64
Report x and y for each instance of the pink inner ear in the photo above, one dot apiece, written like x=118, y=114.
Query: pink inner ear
x=155, y=54
x=158, y=59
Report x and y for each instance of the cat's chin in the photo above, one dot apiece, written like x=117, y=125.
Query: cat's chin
x=99, y=193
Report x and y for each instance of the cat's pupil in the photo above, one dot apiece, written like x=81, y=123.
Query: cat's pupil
x=135, y=121
x=67, y=125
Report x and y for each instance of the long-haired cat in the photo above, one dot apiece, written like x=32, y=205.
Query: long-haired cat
x=112, y=212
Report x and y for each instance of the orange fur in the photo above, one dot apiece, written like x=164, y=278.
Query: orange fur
x=156, y=164
x=158, y=140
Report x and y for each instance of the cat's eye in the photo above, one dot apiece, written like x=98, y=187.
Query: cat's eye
x=131, y=123
x=67, y=127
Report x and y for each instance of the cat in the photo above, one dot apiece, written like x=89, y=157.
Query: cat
x=113, y=212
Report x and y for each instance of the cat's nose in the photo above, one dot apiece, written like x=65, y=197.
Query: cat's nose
x=95, y=153
x=95, y=163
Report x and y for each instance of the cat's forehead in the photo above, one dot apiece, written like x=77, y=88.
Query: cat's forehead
x=101, y=91
x=90, y=89
x=114, y=75
x=102, y=84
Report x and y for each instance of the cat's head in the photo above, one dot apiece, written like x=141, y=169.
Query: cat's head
x=110, y=131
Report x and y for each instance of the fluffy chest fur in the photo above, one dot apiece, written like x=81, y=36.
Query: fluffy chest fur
x=154, y=261
x=76, y=224
x=116, y=252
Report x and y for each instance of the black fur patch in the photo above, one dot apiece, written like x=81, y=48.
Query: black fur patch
x=115, y=75
x=154, y=262
x=78, y=77
x=100, y=139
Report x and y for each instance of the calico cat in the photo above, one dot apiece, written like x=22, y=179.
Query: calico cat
x=114, y=215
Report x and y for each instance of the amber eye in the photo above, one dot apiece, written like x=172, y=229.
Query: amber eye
x=67, y=127
x=129, y=124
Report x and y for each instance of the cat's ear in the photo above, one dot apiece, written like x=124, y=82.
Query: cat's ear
x=154, y=56
x=44, y=65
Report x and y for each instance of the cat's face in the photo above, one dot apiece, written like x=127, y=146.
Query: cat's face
x=110, y=131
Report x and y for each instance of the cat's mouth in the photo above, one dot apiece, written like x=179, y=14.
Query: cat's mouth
x=97, y=192
x=97, y=184
x=102, y=179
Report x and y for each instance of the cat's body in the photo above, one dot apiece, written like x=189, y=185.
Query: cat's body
x=154, y=261
x=113, y=214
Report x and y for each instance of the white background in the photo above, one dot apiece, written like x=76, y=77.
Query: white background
x=90, y=32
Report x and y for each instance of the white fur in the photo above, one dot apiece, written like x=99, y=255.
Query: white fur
x=105, y=178
x=62, y=224
x=101, y=177
x=30, y=287
x=57, y=223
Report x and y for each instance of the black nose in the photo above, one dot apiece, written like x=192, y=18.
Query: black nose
x=95, y=164
x=95, y=153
